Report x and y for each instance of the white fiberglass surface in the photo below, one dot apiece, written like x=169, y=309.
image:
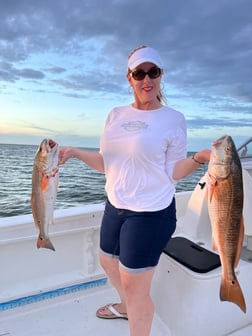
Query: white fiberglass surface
x=72, y=314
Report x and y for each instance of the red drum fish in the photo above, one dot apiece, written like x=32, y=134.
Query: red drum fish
x=225, y=205
x=45, y=178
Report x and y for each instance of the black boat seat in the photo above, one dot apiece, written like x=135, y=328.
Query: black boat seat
x=191, y=255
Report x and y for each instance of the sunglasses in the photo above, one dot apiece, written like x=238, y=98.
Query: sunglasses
x=140, y=74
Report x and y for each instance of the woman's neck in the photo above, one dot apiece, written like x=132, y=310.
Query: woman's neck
x=154, y=105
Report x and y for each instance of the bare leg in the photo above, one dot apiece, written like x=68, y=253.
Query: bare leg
x=111, y=267
x=140, y=308
x=134, y=292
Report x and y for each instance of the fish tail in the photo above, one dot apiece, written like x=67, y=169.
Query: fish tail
x=231, y=291
x=45, y=243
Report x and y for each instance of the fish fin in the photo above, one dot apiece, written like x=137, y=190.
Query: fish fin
x=32, y=200
x=211, y=187
x=231, y=291
x=240, y=243
x=44, y=183
x=214, y=245
x=206, y=194
x=45, y=243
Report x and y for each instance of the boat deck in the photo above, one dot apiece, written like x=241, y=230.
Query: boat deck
x=71, y=314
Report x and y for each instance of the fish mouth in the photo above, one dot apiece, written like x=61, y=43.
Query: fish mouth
x=219, y=164
x=51, y=143
x=47, y=145
x=220, y=140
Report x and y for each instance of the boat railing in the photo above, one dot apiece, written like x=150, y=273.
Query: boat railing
x=245, y=149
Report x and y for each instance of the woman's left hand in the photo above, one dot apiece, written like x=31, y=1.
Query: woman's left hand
x=203, y=156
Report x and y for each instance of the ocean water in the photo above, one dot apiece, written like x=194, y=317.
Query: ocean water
x=79, y=185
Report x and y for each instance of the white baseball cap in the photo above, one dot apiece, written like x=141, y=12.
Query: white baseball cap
x=142, y=55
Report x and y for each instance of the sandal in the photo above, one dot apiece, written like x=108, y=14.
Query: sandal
x=113, y=313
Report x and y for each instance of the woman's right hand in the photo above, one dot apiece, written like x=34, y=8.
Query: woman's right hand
x=65, y=153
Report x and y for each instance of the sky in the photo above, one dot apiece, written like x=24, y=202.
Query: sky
x=63, y=66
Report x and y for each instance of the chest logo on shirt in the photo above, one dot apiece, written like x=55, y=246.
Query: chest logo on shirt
x=134, y=126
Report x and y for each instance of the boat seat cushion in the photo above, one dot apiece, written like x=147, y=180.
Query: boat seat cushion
x=191, y=255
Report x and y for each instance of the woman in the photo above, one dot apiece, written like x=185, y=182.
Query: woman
x=143, y=154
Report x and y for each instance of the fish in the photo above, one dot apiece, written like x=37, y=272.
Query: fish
x=225, y=207
x=45, y=179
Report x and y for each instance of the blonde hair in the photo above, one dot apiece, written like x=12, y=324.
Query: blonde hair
x=137, y=48
x=161, y=96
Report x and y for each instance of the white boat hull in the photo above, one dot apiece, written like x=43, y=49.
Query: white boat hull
x=186, y=302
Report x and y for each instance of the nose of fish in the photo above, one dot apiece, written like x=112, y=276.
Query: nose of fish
x=219, y=141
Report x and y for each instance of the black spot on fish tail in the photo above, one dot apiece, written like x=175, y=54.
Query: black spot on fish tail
x=231, y=291
x=45, y=243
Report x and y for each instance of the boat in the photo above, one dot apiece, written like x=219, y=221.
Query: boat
x=245, y=153
x=43, y=292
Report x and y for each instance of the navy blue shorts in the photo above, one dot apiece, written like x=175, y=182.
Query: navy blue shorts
x=136, y=238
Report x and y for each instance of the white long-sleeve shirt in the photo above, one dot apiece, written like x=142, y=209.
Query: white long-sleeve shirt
x=140, y=149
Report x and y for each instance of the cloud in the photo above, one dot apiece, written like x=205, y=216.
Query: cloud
x=79, y=49
x=56, y=70
x=11, y=74
x=206, y=122
x=204, y=45
x=90, y=81
x=29, y=73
